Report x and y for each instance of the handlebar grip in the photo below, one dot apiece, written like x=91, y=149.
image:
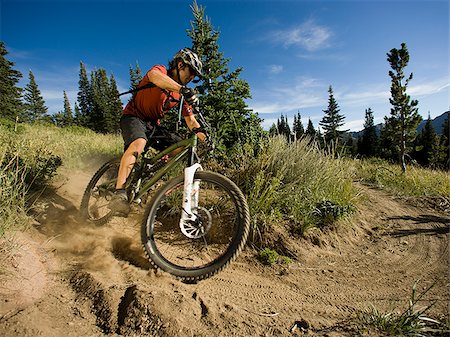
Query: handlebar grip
x=200, y=129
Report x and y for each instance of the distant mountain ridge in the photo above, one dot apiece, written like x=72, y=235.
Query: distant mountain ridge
x=438, y=125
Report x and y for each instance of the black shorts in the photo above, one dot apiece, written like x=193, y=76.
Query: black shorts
x=157, y=137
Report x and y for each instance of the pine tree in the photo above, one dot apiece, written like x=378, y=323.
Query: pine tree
x=404, y=117
x=68, y=115
x=99, y=106
x=223, y=93
x=93, y=116
x=35, y=109
x=58, y=119
x=65, y=117
x=367, y=146
x=387, y=149
x=84, y=97
x=310, y=131
x=77, y=118
x=297, y=127
x=283, y=127
x=431, y=149
x=10, y=95
x=135, y=76
x=114, y=108
x=273, y=131
x=444, y=144
x=332, y=120
x=252, y=132
x=100, y=114
x=424, y=144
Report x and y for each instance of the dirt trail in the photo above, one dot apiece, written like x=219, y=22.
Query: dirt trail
x=68, y=278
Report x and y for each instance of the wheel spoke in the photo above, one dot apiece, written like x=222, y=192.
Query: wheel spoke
x=206, y=240
x=95, y=201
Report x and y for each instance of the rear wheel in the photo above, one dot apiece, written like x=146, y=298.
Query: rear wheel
x=98, y=194
x=200, y=249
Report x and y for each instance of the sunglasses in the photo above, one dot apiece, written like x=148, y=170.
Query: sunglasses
x=192, y=71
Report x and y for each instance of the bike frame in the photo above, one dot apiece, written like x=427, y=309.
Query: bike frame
x=187, y=147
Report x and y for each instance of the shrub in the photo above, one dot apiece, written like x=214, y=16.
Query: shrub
x=11, y=125
x=30, y=156
x=261, y=199
x=410, y=322
x=270, y=257
x=290, y=180
x=36, y=170
x=12, y=196
x=327, y=212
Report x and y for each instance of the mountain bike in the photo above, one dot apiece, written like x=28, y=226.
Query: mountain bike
x=194, y=225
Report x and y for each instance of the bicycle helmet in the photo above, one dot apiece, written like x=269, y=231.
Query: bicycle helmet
x=191, y=59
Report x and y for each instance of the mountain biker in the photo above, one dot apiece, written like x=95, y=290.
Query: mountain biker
x=148, y=106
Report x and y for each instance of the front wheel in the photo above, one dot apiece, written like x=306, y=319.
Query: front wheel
x=210, y=243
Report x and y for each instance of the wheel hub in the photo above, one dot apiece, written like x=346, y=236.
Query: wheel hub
x=198, y=228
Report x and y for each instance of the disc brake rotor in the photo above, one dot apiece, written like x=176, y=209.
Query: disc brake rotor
x=200, y=227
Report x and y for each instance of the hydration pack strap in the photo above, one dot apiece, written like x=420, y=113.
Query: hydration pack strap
x=133, y=91
x=152, y=85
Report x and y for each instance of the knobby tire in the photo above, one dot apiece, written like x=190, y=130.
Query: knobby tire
x=225, y=225
x=98, y=194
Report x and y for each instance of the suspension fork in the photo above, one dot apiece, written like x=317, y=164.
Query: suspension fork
x=190, y=196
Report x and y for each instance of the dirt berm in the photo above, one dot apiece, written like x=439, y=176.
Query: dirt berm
x=67, y=278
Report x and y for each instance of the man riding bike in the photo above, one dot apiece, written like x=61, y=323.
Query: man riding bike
x=148, y=106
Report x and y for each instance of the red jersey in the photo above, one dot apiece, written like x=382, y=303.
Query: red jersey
x=152, y=104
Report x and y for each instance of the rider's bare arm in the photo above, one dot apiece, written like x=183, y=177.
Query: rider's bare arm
x=192, y=123
x=163, y=81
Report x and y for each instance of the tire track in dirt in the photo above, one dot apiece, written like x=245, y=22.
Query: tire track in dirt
x=373, y=259
x=332, y=284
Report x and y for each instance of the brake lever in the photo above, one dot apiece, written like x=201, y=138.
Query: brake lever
x=201, y=118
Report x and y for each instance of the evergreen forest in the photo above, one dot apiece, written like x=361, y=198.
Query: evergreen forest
x=234, y=125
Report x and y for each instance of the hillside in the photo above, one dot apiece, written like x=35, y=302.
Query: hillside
x=438, y=124
x=68, y=278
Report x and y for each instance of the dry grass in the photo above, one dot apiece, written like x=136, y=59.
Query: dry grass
x=34, y=152
x=292, y=181
x=417, y=182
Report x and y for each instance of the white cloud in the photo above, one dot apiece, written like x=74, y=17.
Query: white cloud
x=355, y=125
x=363, y=98
x=326, y=56
x=307, y=92
x=381, y=93
x=279, y=98
x=16, y=54
x=428, y=88
x=268, y=122
x=285, y=101
x=308, y=35
x=275, y=69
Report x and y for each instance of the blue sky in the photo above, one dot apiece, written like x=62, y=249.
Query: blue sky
x=291, y=51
